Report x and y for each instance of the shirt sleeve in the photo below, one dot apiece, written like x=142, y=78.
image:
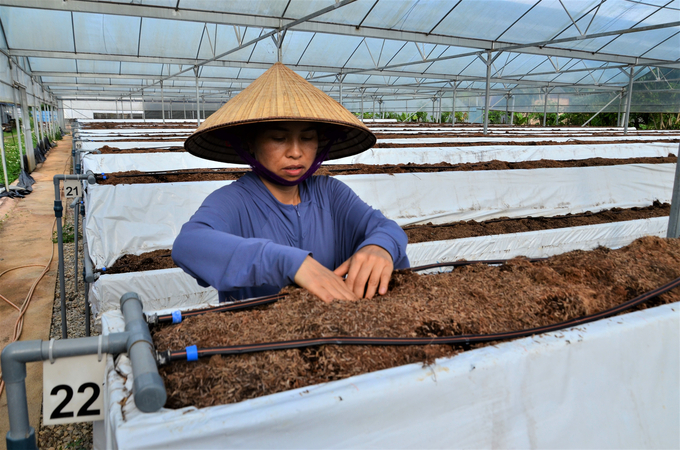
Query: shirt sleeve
x=360, y=225
x=211, y=249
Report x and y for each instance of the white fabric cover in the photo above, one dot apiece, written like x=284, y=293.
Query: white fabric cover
x=536, y=244
x=94, y=145
x=613, y=383
x=547, y=137
x=172, y=288
x=133, y=219
x=158, y=289
x=152, y=162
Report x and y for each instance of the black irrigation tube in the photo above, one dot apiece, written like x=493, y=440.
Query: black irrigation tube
x=192, y=353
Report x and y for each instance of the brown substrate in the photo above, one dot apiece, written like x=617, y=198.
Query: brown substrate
x=475, y=299
x=106, y=150
x=176, y=176
x=160, y=259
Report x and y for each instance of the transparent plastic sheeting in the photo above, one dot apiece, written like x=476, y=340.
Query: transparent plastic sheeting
x=94, y=145
x=154, y=162
x=134, y=219
x=615, y=382
x=172, y=288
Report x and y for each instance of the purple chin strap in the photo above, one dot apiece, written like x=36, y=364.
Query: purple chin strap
x=262, y=171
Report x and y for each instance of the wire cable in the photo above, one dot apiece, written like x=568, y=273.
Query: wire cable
x=169, y=355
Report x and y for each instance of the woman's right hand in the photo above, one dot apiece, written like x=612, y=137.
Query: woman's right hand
x=322, y=282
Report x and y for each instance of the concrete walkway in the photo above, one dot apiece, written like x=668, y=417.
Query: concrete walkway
x=26, y=238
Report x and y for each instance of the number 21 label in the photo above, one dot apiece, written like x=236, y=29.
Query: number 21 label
x=73, y=390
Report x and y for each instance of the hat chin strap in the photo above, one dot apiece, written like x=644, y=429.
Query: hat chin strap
x=262, y=171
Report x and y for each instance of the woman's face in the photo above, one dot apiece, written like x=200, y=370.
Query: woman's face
x=287, y=149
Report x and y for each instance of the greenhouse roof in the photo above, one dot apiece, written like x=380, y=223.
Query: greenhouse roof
x=113, y=49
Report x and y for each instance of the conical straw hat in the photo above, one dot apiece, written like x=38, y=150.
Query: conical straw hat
x=278, y=95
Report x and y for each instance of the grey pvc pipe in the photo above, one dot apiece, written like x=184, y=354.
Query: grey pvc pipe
x=148, y=388
x=58, y=212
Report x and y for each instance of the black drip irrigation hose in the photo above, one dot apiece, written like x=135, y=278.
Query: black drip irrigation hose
x=192, y=353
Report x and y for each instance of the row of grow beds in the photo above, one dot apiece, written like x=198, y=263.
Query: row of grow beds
x=112, y=213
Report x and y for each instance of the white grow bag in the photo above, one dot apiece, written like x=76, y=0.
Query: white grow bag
x=152, y=162
x=134, y=219
x=173, y=288
x=614, y=383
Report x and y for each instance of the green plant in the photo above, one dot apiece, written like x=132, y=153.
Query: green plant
x=67, y=234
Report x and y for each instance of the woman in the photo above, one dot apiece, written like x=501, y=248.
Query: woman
x=278, y=225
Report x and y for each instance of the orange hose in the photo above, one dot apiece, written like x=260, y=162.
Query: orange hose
x=19, y=324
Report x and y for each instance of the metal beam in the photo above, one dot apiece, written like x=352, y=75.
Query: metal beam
x=194, y=15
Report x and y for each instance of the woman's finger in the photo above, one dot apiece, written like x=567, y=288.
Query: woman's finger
x=385, y=279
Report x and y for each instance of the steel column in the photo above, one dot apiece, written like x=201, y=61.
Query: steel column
x=453, y=105
x=512, y=113
x=487, y=100
x=198, y=105
x=628, y=100
x=162, y=103
x=674, y=219
x=545, y=107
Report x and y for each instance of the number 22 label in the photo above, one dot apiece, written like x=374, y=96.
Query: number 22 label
x=72, y=389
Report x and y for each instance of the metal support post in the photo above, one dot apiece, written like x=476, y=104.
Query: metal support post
x=16, y=122
x=362, y=103
x=143, y=110
x=162, y=103
x=545, y=106
x=198, y=107
x=512, y=112
x=4, y=162
x=487, y=100
x=674, y=219
x=132, y=113
x=628, y=100
x=171, y=117
x=116, y=102
x=453, y=105
x=618, y=115
x=557, y=111
x=148, y=388
x=58, y=212
x=184, y=108
x=341, y=78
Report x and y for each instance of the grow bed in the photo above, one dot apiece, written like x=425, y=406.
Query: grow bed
x=475, y=299
x=464, y=141
x=115, y=150
x=187, y=175
x=161, y=259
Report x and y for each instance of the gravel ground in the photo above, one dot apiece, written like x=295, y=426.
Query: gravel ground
x=75, y=435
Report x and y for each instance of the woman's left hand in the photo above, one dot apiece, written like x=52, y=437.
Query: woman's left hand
x=368, y=270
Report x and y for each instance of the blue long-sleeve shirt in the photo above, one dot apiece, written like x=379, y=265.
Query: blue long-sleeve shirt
x=245, y=243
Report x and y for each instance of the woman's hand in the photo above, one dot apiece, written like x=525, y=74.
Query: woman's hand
x=322, y=282
x=371, y=264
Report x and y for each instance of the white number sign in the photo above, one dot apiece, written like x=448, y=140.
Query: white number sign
x=73, y=390
x=73, y=188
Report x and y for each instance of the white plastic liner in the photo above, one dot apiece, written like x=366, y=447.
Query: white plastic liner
x=454, y=140
x=95, y=145
x=172, y=288
x=608, y=384
x=509, y=153
x=150, y=162
x=133, y=219
x=536, y=244
x=158, y=289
